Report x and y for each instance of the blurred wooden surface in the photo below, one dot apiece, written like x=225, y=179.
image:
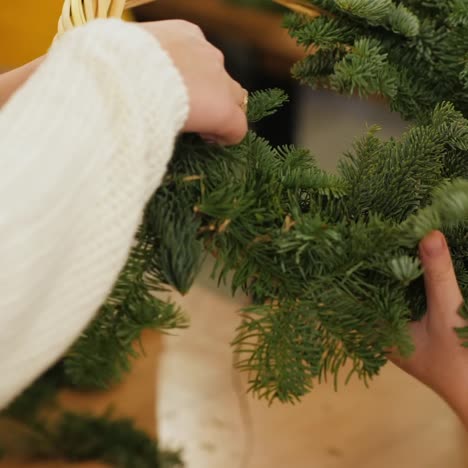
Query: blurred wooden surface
x=134, y=398
x=202, y=408
x=257, y=28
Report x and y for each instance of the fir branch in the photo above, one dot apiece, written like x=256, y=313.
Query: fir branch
x=383, y=13
x=79, y=437
x=448, y=209
x=458, y=13
x=169, y=251
x=406, y=269
x=331, y=262
x=39, y=396
x=415, y=162
x=315, y=69
x=265, y=103
x=323, y=33
x=293, y=253
x=415, y=50
x=173, y=226
x=373, y=11
x=365, y=70
x=104, y=351
x=433, y=9
x=403, y=21
x=464, y=77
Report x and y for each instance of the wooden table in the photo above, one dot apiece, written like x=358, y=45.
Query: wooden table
x=134, y=398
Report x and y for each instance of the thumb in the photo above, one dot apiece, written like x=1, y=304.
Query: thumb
x=442, y=291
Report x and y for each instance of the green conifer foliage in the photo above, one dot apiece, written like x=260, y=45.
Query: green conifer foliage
x=412, y=52
x=330, y=260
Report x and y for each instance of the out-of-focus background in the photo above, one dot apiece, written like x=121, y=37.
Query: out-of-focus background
x=202, y=406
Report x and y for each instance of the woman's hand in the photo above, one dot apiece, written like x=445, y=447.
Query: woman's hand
x=440, y=361
x=216, y=100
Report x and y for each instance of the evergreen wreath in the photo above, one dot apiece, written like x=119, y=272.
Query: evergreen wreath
x=330, y=261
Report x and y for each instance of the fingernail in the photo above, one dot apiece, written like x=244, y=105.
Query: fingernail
x=434, y=245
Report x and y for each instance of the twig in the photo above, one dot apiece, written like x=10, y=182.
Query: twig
x=302, y=7
x=135, y=3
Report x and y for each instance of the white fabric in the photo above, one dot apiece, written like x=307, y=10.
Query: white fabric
x=82, y=147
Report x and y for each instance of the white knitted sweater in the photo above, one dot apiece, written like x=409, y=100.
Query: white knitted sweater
x=83, y=145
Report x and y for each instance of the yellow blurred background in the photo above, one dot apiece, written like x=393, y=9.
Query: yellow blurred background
x=27, y=28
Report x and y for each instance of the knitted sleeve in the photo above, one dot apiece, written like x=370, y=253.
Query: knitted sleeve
x=82, y=147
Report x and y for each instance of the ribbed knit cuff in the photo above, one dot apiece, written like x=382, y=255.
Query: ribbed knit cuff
x=146, y=68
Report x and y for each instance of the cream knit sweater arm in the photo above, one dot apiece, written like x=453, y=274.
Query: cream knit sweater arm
x=82, y=146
